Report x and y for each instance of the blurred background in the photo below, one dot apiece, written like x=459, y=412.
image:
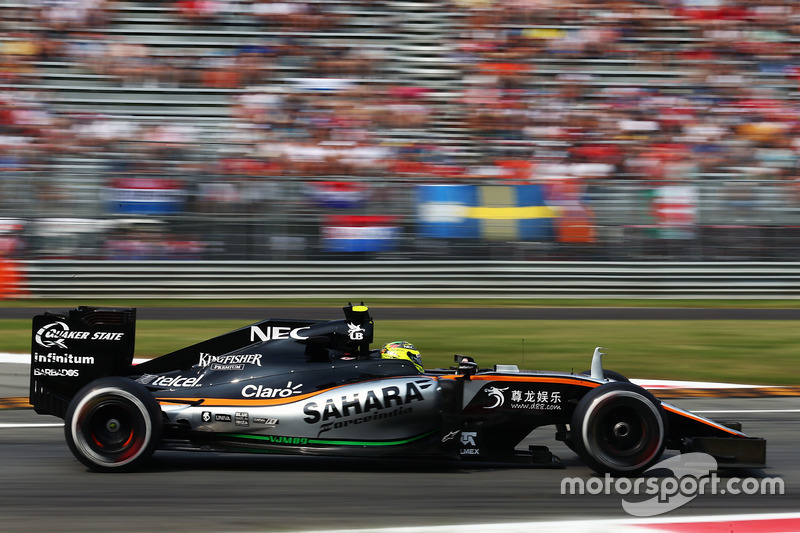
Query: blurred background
x=364, y=129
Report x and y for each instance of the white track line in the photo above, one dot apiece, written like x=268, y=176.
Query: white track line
x=747, y=411
x=593, y=525
x=25, y=426
x=672, y=384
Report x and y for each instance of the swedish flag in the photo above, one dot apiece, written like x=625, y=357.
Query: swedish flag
x=488, y=212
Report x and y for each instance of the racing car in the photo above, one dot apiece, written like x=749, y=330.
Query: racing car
x=315, y=387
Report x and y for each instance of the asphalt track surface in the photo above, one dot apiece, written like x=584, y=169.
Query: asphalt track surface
x=43, y=488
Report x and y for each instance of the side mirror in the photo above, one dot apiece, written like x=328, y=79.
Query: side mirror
x=466, y=365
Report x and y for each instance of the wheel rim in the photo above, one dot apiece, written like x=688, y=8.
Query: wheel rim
x=112, y=428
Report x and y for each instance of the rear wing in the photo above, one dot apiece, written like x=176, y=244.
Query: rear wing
x=70, y=350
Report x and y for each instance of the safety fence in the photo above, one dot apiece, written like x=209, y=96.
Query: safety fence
x=146, y=219
x=357, y=280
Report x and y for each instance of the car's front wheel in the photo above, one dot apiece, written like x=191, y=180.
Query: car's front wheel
x=619, y=428
x=113, y=424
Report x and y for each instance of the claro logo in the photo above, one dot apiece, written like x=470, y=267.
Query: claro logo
x=260, y=391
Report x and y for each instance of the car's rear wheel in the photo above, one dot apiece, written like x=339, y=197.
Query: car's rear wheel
x=113, y=425
x=619, y=428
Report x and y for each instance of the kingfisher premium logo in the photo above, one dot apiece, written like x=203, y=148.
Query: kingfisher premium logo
x=230, y=361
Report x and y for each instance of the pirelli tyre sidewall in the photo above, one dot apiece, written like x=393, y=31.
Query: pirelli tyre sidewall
x=619, y=428
x=113, y=425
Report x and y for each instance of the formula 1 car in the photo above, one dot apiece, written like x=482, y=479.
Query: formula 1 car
x=316, y=387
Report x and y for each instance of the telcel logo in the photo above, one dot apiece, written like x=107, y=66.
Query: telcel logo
x=177, y=381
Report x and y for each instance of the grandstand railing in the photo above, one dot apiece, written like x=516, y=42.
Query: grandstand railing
x=358, y=280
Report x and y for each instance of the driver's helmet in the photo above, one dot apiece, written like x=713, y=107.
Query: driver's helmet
x=402, y=350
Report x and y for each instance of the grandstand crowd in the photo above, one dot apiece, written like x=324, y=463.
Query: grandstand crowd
x=514, y=91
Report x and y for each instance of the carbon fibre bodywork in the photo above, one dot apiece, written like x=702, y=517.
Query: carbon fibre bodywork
x=315, y=387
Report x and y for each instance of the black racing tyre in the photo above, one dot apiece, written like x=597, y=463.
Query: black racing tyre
x=619, y=428
x=608, y=374
x=113, y=424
